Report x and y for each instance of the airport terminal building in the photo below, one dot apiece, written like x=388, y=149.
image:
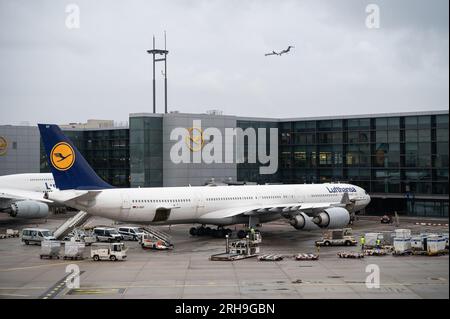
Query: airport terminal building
x=401, y=159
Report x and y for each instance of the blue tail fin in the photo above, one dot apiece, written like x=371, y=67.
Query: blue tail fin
x=69, y=168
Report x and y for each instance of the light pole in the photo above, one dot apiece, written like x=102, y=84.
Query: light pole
x=164, y=53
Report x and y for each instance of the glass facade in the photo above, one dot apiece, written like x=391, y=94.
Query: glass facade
x=250, y=171
x=403, y=156
x=146, y=151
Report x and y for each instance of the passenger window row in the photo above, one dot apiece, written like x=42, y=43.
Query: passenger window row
x=161, y=200
x=227, y=198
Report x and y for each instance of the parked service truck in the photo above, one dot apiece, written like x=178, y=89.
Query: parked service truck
x=337, y=237
x=108, y=251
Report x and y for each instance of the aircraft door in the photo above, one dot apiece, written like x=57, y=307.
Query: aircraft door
x=126, y=203
x=200, y=207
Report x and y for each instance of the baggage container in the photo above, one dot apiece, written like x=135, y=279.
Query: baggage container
x=388, y=238
x=371, y=239
x=402, y=233
x=50, y=249
x=73, y=250
x=417, y=242
x=435, y=244
x=402, y=245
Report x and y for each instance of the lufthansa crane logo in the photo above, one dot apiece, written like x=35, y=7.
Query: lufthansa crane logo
x=195, y=139
x=3, y=145
x=62, y=156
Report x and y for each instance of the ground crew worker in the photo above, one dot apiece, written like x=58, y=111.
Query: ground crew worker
x=252, y=233
x=363, y=241
x=378, y=243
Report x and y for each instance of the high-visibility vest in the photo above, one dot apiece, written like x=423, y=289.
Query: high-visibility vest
x=363, y=240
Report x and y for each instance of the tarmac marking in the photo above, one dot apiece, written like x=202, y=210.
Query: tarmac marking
x=36, y=266
x=23, y=288
x=53, y=291
x=13, y=295
x=100, y=291
x=233, y=285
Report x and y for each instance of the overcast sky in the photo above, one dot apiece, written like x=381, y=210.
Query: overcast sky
x=50, y=73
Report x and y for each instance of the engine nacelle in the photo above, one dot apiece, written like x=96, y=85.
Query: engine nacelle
x=335, y=217
x=29, y=209
x=303, y=222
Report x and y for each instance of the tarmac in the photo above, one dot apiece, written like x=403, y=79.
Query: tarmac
x=187, y=272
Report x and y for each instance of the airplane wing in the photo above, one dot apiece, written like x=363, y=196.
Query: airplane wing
x=10, y=193
x=308, y=208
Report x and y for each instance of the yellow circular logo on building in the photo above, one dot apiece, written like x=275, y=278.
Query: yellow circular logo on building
x=62, y=156
x=3, y=145
x=195, y=139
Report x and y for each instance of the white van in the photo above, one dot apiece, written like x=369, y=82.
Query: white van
x=107, y=234
x=36, y=235
x=131, y=233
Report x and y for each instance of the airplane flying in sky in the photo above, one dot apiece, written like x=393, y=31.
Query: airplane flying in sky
x=305, y=206
x=281, y=52
x=22, y=195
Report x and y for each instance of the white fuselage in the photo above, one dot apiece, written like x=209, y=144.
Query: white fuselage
x=34, y=182
x=178, y=205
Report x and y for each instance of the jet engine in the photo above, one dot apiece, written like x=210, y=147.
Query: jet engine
x=335, y=217
x=303, y=222
x=29, y=209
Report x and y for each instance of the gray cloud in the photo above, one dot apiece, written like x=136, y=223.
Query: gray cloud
x=52, y=74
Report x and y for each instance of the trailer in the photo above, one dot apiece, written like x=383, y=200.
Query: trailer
x=73, y=250
x=306, y=257
x=350, y=254
x=337, y=237
x=50, y=249
x=270, y=258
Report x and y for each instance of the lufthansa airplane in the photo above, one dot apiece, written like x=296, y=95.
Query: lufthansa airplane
x=306, y=207
x=21, y=195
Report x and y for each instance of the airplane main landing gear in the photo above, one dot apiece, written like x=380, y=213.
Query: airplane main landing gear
x=241, y=234
x=220, y=232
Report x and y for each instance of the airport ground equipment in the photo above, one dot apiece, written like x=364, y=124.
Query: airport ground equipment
x=376, y=252
x=81, y=235
x=306, y=257
x=69, y=225
x=239, y=249
x=73, y=250
x=158, y=235
x=337, y=237
x=10, y=233
x=50, y=249
x=436, y=245
x=108, y=251
x=149, y=241
x=350, y=254
x=36, y=235
x=270, y=258
x=386, y=219
x=107, y=234
x=131, y=232
x=402, y=233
